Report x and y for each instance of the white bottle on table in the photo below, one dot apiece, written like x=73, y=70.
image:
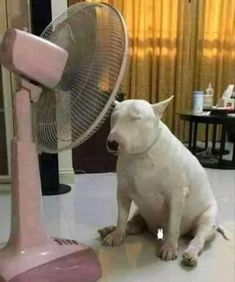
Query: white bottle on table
x=208, y=97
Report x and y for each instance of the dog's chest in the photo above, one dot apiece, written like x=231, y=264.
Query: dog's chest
x=145, y=176
x=146, y=183
x=146, y=191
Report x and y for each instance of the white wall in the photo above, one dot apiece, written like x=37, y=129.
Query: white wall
x=57, y=7
x=13, y=13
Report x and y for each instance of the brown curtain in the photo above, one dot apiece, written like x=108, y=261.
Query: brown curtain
x=177, y=46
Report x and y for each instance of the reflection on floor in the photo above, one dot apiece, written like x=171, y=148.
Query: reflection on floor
x=92, y=205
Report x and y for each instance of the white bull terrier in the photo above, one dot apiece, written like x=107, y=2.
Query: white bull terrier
x=166, y=182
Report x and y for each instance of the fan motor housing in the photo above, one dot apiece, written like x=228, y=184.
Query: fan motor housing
x=33, y=57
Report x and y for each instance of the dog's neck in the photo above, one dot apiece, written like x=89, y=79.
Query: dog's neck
x=148, y=149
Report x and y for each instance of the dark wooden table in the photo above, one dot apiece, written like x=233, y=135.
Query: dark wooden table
x=215, y=119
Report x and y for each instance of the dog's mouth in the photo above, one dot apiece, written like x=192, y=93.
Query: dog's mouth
x=112, y=147
x=113, y=152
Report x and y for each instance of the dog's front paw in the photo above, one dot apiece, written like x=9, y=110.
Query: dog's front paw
x=168, y=251
x=115, y=238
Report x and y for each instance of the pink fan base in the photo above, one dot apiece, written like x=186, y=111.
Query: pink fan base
x=30, y=255
x=71, y=263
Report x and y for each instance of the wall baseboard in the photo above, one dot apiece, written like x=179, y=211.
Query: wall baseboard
x=5, y=187
x=66, y=176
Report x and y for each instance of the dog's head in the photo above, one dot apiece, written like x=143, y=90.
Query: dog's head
x=134, y=126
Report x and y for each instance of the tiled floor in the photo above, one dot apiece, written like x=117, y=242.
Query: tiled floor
x=92, y=205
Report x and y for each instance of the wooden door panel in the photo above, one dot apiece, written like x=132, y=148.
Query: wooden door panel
x=71, y=2
x=92, y=156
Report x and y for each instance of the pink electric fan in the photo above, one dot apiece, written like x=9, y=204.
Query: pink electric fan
x=70, y=80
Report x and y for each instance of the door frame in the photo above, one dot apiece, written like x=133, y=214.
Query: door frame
x=7, y=98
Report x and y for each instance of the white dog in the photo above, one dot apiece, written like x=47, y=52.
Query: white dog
x=165, y=181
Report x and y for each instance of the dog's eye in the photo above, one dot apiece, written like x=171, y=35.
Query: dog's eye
x=136, y=117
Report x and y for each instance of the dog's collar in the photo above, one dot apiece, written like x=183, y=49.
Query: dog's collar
x=151, y=145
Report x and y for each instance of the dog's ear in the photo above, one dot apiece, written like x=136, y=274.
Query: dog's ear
x=160, y=107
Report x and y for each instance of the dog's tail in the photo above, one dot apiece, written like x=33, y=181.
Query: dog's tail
x=223, y=232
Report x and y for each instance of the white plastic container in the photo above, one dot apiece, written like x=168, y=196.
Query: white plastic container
x=198, y=97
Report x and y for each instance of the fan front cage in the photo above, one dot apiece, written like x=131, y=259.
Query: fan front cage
x=95, y=37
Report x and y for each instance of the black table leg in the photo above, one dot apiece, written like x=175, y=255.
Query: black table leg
x=206, y=136
x=194, y=138
x=210, y=161
x=222, y=144
x=214, y=138
x=190, y=135
x=233, y=158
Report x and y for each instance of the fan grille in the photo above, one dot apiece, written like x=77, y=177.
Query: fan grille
x=95, y=37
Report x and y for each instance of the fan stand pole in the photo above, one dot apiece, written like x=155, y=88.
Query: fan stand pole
x=26, y=214
x=30, y=254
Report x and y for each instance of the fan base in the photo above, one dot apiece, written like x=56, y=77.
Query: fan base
x=61, y=189
x=58, y=260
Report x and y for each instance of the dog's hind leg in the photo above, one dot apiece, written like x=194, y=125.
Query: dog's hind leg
x=106, y=230
x=205, y=231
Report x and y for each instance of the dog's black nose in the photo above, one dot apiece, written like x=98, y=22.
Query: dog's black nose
x=112, y=145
